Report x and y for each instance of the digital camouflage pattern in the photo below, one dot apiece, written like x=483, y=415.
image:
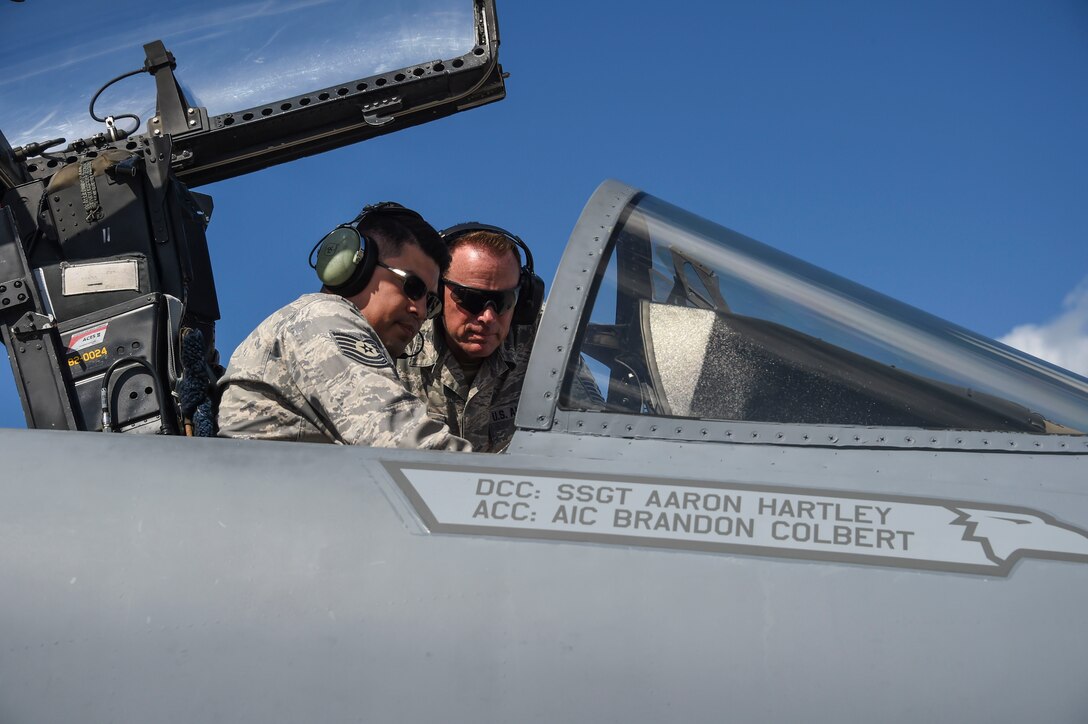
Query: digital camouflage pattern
x=481, y=410
x=315, y=371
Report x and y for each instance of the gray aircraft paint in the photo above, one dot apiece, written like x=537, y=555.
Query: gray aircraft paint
x=257, y=581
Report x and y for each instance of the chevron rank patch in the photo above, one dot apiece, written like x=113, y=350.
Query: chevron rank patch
x=364, y=348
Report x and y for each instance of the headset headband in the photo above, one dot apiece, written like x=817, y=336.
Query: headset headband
x=453, y=233
x=385, y=207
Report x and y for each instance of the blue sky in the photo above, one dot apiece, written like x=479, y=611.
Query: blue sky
x=933, y=151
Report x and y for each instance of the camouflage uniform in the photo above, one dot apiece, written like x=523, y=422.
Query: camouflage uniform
x=481, y=411
x=315, y=371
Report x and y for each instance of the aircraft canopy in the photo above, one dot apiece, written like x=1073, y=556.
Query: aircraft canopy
x=688, y=319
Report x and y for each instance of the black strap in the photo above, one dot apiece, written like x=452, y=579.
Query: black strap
x=88, y=189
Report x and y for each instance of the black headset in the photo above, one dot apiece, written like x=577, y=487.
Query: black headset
x=530, y=286
x=345, y=258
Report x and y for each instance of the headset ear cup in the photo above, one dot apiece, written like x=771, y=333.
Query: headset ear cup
x=530, y=298
x=364, y=270
x=353, y=269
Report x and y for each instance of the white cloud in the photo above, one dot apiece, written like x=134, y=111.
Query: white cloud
x=1064, y=339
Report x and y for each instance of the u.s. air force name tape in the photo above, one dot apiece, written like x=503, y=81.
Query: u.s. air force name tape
x=885, y=530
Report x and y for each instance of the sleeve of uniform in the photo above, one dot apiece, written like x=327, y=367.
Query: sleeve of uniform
x=343, y=371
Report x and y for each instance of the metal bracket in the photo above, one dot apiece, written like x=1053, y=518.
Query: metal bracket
x=32, y=324
x=370, y=110
x=13, y=292
x=174, y=113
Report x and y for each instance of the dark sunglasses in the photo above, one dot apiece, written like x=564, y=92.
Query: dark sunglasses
x=415, y=289
x=475, y=301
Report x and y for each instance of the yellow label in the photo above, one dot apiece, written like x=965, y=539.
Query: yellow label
x=89, y=356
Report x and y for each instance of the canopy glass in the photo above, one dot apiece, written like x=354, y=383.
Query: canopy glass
x=230, y=55
x=693, y=320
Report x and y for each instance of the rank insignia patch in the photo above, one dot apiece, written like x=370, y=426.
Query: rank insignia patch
x=365, y=349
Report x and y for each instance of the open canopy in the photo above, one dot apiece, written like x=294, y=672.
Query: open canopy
x=256, y=83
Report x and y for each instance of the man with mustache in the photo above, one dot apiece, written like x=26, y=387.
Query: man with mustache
x=321, y=369
x=472, y=364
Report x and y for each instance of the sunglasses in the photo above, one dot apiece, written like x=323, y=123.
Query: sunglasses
x=415, y=289
x=475, y=301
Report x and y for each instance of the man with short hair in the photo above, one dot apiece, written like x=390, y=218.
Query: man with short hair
x=472, y=364
x=321, y=369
